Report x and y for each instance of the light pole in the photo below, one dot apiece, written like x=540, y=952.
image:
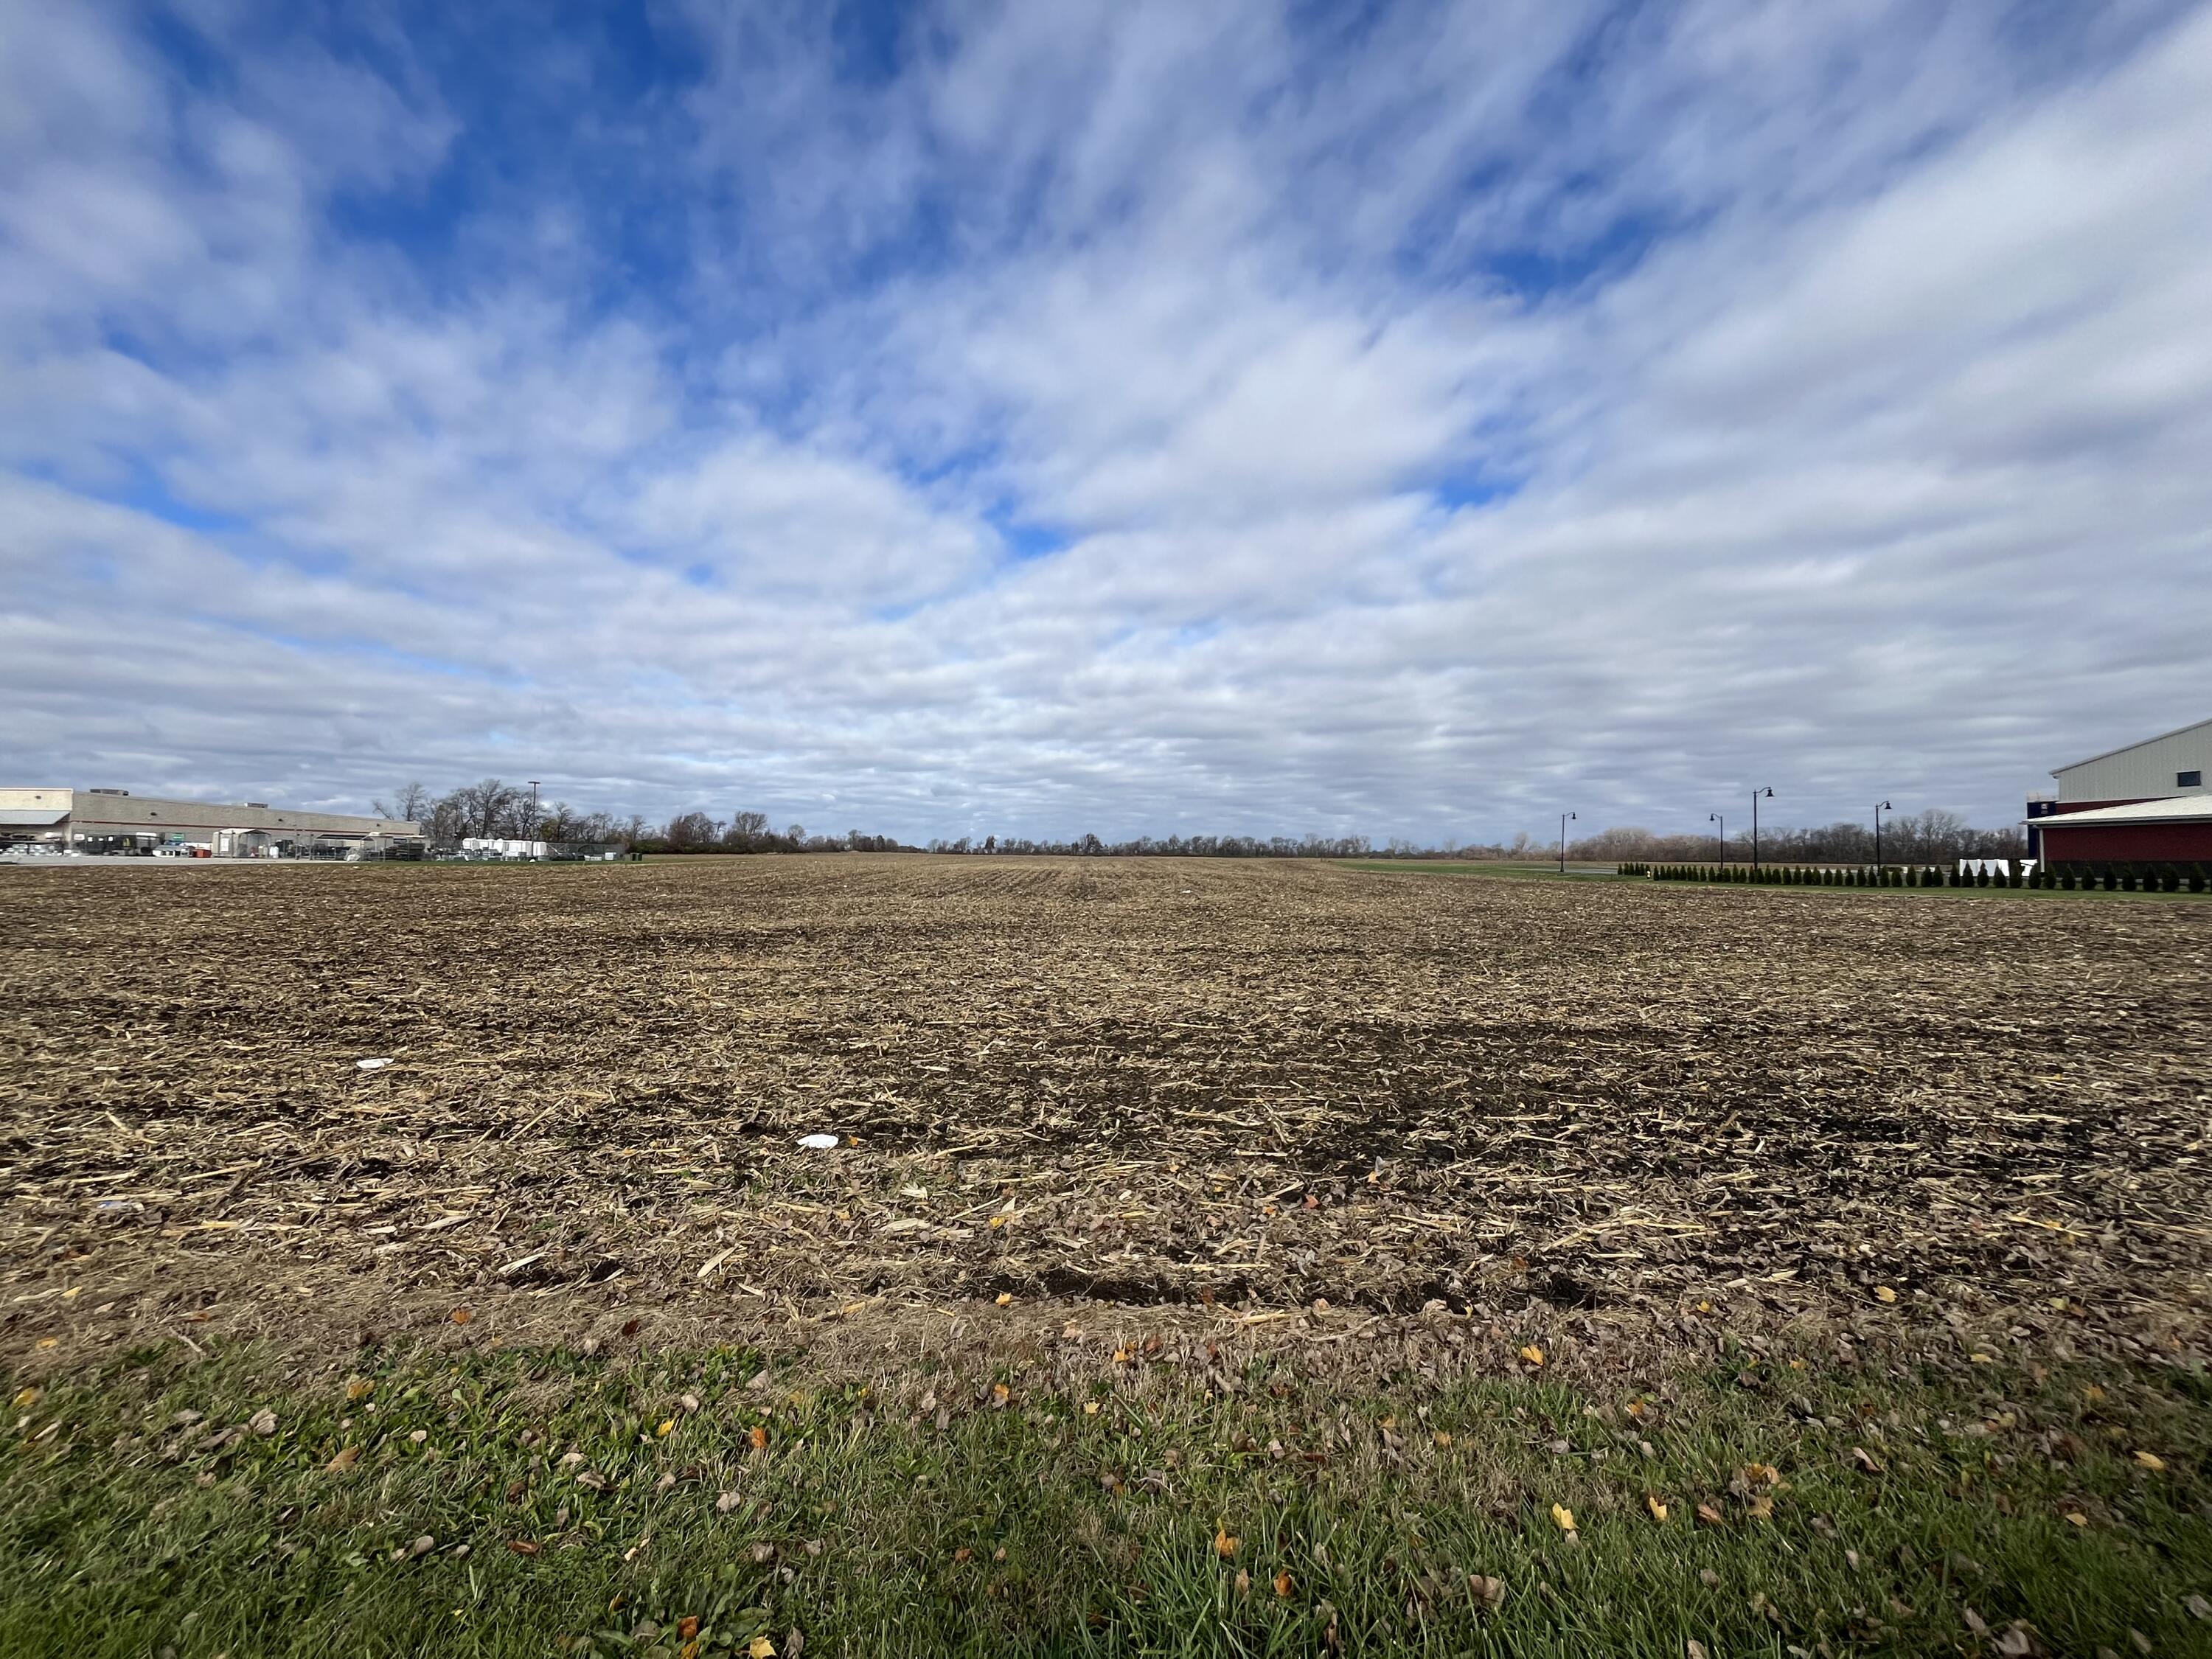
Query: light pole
x=1880, y=807
x=1755, y=795
x=1715, y=818
x=533, y=809
x=1565, y=818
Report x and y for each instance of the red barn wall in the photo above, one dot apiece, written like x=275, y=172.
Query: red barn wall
x=2125, y=842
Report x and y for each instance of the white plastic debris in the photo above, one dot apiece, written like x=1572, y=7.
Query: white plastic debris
x=817, y=1143
x=376, y=1065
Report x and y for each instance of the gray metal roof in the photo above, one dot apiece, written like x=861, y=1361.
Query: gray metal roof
x=2175, y=809
x=26, y=816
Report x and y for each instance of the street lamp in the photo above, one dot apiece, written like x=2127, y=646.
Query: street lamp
x=1565, y=818
x=1880, y=807
x=1755, y=795
x=1715, y=818
x=533, y=809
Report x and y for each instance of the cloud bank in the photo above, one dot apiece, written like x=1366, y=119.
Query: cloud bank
x=1134, y=418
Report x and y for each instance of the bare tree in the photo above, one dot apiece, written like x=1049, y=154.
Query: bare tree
x=410, y=804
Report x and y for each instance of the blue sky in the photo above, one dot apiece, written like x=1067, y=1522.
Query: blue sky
x=1412, y=420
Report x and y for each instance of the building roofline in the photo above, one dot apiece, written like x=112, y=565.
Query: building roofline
x=2141, y=743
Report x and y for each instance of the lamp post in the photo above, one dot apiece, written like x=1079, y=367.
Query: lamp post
x=1880, y=807
x=1565, y=818
x=1715, y=818
x=533, y=809
x=1755, y=795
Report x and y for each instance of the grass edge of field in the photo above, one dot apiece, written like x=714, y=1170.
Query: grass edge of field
x=1126, y=1509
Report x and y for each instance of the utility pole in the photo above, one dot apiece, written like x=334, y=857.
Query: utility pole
x=1880, y=807
x=1755, y=795
x=1715, y=818
x=1565, y=818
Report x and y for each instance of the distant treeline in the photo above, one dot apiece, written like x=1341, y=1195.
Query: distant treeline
x=496, y=808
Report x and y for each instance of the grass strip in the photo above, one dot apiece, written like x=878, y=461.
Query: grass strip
x=697, y=1504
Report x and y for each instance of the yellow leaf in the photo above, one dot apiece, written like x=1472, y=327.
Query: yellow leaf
x=2077, y=1518
x=360, y=1389
x=2150, y=1459
x=1091, y=1408
x=1005, y=1298
x=1980, y=1358
x=1223, y=1544
x=998, y=1221
x=1658, y=1509
x=1442, y=1438
x=760, y=1648
x=46, y=1341
x=758, y=1438
x=462, y=1315
x=2092, y=1393
x=1565, y=1517
x=999, y=1393
x=1883, y=1293
x=1532, y=1354
x=1762, y=1508
x=26, y=1396
x=666, y=1425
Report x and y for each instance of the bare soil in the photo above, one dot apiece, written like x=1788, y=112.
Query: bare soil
x=1217, y=1094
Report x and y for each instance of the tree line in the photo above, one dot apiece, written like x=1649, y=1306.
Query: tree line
x=494, y=809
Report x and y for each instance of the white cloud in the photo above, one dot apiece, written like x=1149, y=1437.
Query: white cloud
x=1844, y=376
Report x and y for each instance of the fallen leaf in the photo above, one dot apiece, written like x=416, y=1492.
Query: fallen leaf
x=462, y=1315
x=1532, y=1354
x=2150, y=1459
x=1863, y=1459
x=756, y=1436
x=760, y=1648
x=999, y=1393
x=1225, y=1546
x=725, y=1503
x=962, y=1555
x=667, y=1423
x=2092, y=1393
x=344, y=1460
x=1883, y=1293
x=1565, y=1517
x=1491, y=1592
x=1005, y=1298
x=422, y=1546
x=1442, y=1438
x=1658, y=1509
x=1242, y=1583
x=263, y=1422
x=1693, y=1648
x=26, y=1396
x=1283, y=1586
x=687, y=1627
x=1709, y=1515
x=1091, y=1408
x=521, y=1546
x=2076, y=1518
x=2197, y=1605
x=1762, y=1508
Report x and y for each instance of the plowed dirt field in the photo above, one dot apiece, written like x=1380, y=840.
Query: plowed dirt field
x=1223, y=1093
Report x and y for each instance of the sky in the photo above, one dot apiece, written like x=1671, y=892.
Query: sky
x=1404, y=420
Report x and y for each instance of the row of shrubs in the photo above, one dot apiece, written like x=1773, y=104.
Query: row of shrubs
x=1784, y=875
x=2110, y=878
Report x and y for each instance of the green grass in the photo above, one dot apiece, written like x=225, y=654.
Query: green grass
x=1096, y=1522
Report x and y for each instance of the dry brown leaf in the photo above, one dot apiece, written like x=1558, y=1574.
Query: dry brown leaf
x=345, y=1460
x=756, y=1436
x=522, y=1547
x=462, y=1315
x=1283, y=1586
x=1225, y=1545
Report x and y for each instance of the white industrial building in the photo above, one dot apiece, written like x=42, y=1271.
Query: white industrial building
x=117, y=820
x=2146, y=804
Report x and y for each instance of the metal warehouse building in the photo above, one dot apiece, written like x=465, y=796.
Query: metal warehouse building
x=2146, y=804
x=117, y=820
